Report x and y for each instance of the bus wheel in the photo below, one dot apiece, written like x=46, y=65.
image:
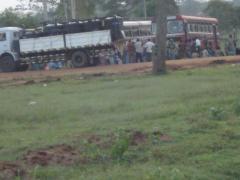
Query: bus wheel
x=7, y=64
x=79, y=59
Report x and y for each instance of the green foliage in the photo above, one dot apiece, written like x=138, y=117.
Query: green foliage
x=176, y=104
x=237, y=108
x=11, y=18
x=227, y=14
x=120, y=146
x=132, y=8
x=217, y=113
x=161, y=173
x=193, y=7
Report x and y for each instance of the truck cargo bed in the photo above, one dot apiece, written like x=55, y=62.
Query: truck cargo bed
x=66, y=41
x=41, y=44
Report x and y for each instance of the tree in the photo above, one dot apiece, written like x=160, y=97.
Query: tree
x=192, y=7
x=119, y=7
x=225, y=12
x=44, y=7
x=85, y=8
x=163, y=9
x=9, y=17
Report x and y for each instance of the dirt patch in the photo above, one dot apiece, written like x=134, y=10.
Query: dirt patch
x=60, y=154
x=138, y=137
x=101, y=141
x=220, y=61
x=162, y=137
x=165, y=138
x=30, y=82
x=99, y=71
x=11, y=170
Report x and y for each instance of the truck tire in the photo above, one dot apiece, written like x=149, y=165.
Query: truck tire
x=22, y=67
x=7, y=64
x=79, y=59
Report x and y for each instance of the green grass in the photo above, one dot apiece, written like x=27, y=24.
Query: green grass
x=198, y=108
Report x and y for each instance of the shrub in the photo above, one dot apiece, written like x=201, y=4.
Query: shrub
x=120, y=147
x=217, y=113
x=237, y=108
x=229, y=134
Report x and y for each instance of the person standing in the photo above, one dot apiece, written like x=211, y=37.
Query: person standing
x=139, y=51
x=189, y=48
x=125, y=55
x=149, y=49
x=198, y=45
x=171, y=49
x=131, y=51
x=231, y=46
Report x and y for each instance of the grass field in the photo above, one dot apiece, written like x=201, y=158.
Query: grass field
x=188, y=123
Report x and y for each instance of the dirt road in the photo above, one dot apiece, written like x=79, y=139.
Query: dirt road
x=117, y=69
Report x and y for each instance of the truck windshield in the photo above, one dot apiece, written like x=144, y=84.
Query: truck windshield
x=175, y=26
x=2, y=36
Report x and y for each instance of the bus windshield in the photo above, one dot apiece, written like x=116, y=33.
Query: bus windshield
x=175, y=26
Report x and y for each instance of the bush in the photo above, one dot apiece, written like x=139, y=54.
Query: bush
x=229, y=134
x=217, y=113
x=120, y=147
x=237, y=108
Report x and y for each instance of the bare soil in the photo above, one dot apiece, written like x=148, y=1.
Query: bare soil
x=30, y=77
x=9, y=170
x=103, y=142
x=55, y=155
x=66, y=155
x=138, y=137
x=162, y=137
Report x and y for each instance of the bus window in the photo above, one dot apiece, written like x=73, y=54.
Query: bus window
x=189, y=28
x=201, y=28
x=2, y=36
x=195, y=28
x=174, y=27
x=192, y=27
x=210, y=28
x=205, y=28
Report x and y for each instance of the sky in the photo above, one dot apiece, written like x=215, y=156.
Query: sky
x=13, y=3
x=7, y=3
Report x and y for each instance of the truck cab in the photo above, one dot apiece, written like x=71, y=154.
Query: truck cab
x=9, y=48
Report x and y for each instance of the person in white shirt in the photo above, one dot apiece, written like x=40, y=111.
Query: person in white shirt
x=198, y=45
x=139, y=51
x=149, y=49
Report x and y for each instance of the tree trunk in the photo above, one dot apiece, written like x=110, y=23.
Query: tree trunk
x=164, y=8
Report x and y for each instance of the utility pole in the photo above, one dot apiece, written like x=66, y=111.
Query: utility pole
x=144, y=9
x=66, y=9
x=45, y=9
x=73, y=9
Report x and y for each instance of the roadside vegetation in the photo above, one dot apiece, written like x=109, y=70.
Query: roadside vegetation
x=183, y=125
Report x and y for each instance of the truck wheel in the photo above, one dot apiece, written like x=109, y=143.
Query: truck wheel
x=22, y=67
x=7, y=64
x=79, y=59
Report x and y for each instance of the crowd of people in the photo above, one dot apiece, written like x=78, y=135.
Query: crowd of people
x=193, y=48
x=199, y=48
x=133, y=52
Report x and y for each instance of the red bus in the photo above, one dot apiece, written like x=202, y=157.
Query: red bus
x=185, y=29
